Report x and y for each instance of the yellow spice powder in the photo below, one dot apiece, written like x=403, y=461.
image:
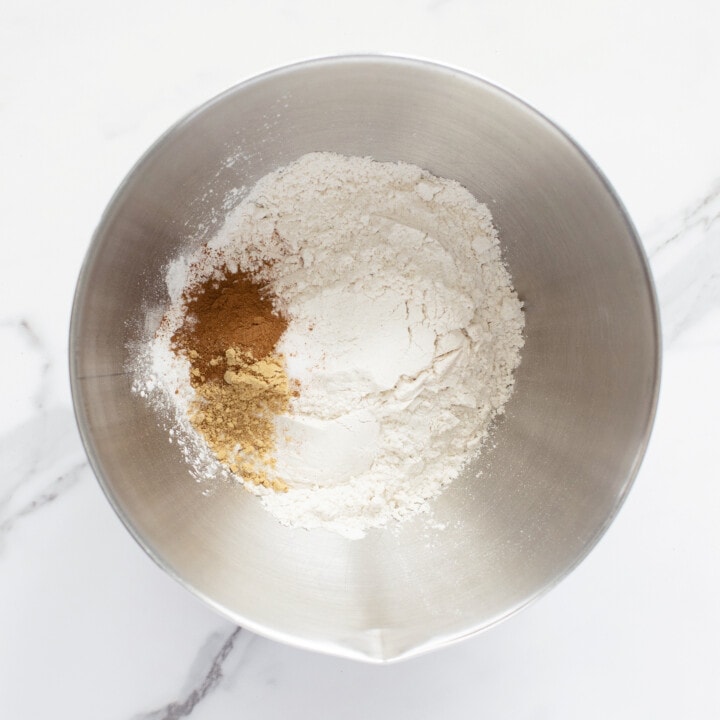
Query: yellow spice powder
x=235, y=414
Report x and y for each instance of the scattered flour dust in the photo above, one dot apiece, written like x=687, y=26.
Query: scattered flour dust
x=404, y=332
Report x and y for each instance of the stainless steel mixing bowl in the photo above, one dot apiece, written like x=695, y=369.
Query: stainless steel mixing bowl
x=564, y=455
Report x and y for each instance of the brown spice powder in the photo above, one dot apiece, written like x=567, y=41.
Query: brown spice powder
x=235, y=312
x=229, y=334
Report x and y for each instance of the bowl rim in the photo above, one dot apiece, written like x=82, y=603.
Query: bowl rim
x=92, y=252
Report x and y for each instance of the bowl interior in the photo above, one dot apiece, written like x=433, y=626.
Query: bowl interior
x=562, y=457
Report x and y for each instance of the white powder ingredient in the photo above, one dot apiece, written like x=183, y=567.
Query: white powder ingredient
x=404, y=333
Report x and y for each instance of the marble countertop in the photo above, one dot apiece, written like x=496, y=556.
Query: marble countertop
x=90, y=628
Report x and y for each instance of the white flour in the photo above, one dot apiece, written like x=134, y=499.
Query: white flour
x=404, y=332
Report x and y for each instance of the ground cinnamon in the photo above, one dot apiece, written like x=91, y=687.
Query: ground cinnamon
x=235, y=312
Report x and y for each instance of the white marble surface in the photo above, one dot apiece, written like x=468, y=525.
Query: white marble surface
x=89, y=627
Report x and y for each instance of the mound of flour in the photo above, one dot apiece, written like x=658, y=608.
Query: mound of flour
x=404, y=332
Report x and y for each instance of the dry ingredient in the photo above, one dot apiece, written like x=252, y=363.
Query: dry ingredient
x=403, y=332
x=229, y=332
x=235, y=414
x=232, y=310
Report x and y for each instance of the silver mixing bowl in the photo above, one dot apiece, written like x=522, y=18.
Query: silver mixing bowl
x=563, y=456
